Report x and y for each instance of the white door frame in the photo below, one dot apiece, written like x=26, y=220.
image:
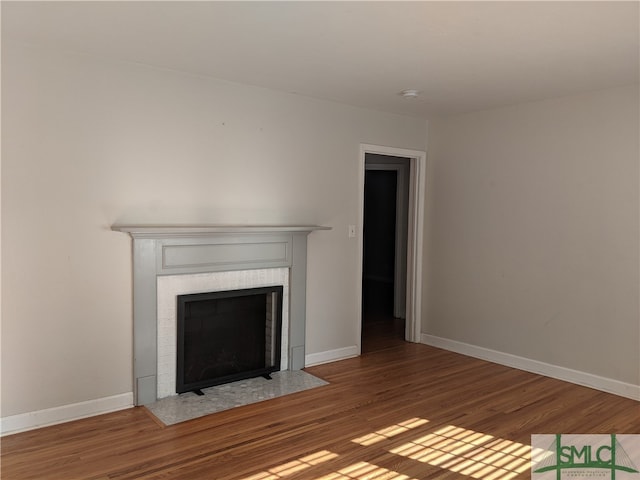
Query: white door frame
x=417, y=181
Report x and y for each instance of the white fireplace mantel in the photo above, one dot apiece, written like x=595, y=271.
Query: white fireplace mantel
x=187, y=249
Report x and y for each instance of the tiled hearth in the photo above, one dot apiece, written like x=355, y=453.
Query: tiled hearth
x=187, y=406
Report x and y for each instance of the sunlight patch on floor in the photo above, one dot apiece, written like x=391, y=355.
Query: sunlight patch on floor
x=365, y=471
x=388, y=432
x=456, y=449
x=470, y=453
x=294, y=466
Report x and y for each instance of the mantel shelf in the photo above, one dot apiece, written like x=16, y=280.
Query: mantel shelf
x=169, y=231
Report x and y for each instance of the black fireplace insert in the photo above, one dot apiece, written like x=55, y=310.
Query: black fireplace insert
x=227, y=336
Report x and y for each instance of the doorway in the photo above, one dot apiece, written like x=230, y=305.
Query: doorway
x=384, y=261
x=390, y=249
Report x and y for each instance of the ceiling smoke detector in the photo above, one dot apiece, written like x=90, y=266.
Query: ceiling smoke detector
x=410, y=93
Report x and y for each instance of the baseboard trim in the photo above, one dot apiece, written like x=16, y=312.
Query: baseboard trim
x=312, y=359
x=604, y=384
x=66, y=413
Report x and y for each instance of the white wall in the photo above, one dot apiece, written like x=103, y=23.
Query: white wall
x=532, y=245
x=88, y=143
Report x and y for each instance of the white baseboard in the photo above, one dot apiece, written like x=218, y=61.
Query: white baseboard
x=330, y=356
x=52, y=416
x=65, y=413
x=604, y=384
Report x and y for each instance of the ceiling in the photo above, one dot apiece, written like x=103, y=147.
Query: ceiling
x=461, y=56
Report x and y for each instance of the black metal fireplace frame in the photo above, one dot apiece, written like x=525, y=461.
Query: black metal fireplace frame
x=182, y=300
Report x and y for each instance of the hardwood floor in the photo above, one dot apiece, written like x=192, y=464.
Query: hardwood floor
x=380, y=329
x=401, y=411
x=380, y=332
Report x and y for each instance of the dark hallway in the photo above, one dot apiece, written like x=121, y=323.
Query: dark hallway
x=379, y=327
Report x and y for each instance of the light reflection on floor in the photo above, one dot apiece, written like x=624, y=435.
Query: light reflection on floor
x=470, y=453
x=455, y=449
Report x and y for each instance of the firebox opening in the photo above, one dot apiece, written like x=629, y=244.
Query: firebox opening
x=227, y=336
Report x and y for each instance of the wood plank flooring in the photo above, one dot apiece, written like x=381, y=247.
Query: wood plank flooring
x=401, y=411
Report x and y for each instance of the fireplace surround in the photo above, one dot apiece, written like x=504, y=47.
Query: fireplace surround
x=193, y=249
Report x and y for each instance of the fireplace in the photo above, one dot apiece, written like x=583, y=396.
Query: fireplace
x=171, y=255
x=227, y=336
x=171, y=287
